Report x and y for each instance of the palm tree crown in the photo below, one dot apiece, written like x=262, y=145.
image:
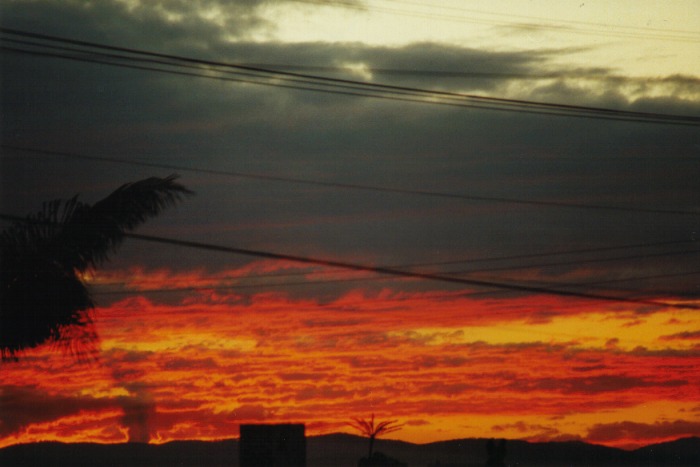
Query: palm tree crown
x=368, y=428
x=42, y=296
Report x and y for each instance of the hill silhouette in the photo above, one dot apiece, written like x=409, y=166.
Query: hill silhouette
x=339, y=450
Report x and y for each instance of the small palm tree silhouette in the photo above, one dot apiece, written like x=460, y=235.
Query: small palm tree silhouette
x=43, y=297
x=368, y=428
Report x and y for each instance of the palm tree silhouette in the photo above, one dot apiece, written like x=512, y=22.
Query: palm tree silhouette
x=368, y=428
x=43, y=297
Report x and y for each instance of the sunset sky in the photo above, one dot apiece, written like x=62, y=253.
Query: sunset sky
x=194, y=342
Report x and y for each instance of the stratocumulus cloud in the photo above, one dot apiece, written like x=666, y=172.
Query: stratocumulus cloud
x=200, y=367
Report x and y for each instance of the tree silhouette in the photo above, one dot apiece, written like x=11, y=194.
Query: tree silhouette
x=368, y=428
x=43, y=297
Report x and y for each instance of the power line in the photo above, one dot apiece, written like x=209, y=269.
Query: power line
x=384, y=270
x=491, y=259
x=571, y=27
x=340, y=89
x=420, y=94
x=441, y=98
x=287, y=66
x=178, y=289
x=397, y=272
x=547, y=20
x=482, y=270
x=583, y=261
x=354, y=186
x=477, y=271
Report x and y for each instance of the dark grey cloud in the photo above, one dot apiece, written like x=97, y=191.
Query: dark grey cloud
x=685, y=335
x=182, y=364
x=21, y=406
x=628, y=430
x=256, y=412
x=197, y=122
x=541, y=432
x=172, y=23
x=593, y=384
x=324, y=391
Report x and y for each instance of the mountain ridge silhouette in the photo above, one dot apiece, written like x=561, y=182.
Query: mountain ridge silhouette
x=339, y=449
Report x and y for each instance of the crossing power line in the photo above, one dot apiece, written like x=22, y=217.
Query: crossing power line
x=356, y=186
x=522, y=22
x=390, y=271
x=517, y=267
x=86, y=51
x=136, y=288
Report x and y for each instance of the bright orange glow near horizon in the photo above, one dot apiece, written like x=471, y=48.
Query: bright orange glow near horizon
x=448, y=365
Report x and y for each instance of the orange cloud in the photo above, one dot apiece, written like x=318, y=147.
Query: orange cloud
x=196, y=367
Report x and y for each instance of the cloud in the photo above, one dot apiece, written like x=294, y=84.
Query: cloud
x=182, y=364
x=324, y=392
x=250, y=412
x=246, y=128
x=533, y=432
x=174, y=22
x=594, y=384
x=22, y=406
x=685, y=335
x=627, y=430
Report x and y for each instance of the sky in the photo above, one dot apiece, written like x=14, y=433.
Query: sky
x=574, y=235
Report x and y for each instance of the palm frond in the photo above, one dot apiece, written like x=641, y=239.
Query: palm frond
x=386, y=427
x=42, y=297
x=367, y=427
x=91, y=233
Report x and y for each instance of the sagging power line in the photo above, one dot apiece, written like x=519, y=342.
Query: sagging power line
x=355, y=186
x=403, y=273
x=137, y=288
x=127, y=57
x=481, y=260
x=387, y=271
x=523, y=22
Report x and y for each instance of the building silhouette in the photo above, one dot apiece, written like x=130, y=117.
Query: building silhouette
x=282, y=445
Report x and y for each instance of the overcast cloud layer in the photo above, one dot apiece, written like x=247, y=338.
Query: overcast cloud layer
x=101, y=110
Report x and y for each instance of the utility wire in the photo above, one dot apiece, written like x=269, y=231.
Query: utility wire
x=228, y=286
x=399, y=272
x=86, y=56
x=583, y=261
x=398, y=93
x=574, y=27
x=558, y=21
x=492, y=103
x=353, y=186
x=387, y=271
x=481, y=260
x=341, y=89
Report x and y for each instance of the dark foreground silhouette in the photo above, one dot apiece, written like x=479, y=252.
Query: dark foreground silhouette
x=339, y=450
x=43, y=297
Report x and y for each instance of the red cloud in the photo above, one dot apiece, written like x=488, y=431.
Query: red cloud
x=21, y=406
x=687, y=335
x=184, y=364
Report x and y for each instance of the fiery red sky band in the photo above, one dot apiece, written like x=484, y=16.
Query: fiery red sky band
x=448, y=365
